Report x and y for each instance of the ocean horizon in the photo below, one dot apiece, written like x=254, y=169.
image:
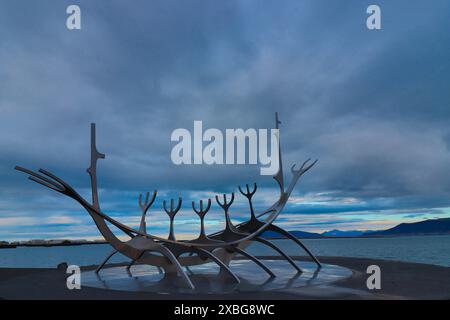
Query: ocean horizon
x=417, y=249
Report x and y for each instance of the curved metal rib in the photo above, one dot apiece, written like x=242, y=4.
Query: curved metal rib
x=222, y=265
x=135, y=260
x=169, y=255
x=132, y=263
x=281, y=252
x=105, y=261
x=290, y=236
x=254, y=259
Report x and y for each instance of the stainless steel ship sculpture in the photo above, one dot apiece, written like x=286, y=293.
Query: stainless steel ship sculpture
x=171, y=254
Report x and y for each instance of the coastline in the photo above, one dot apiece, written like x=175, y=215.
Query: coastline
x=28, y=245
x=75, y=243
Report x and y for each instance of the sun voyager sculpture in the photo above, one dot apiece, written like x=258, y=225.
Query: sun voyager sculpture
x=172, y=255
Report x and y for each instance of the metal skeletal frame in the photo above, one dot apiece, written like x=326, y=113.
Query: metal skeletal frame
x=220, y=247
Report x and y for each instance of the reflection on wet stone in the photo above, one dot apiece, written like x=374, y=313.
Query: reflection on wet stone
x=144, y=278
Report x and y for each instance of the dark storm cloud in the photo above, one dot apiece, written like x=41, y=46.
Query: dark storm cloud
x=372, y=106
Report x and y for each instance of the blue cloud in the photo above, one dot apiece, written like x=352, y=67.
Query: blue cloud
x=372, y=106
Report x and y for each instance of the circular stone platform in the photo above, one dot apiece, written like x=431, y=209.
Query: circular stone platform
x=144, y=278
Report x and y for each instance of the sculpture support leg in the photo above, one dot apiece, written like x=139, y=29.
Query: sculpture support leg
x=173, y=260
x=281, y=252
x=293, y=238
x=134, y=261
x=189, y=270
x=222, y=265
x=253, y=258
x=131, y=264
x=105, y=261
x=169, y=255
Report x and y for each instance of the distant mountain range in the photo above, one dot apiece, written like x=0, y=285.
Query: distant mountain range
x=328, y=234
x=298, y=234
x=426, y=227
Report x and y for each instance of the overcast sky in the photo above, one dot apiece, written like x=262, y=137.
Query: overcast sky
x=372, y=106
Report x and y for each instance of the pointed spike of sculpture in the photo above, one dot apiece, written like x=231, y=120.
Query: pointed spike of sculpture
x=201, y=214
x=145, y=206
x=45, y=184
x=201, y=211
x=40, y=178
x=225, y=205
x=100, y=267
x=171, y=213
x=248, y=194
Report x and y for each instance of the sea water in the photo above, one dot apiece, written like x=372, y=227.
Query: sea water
x=420, y=249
